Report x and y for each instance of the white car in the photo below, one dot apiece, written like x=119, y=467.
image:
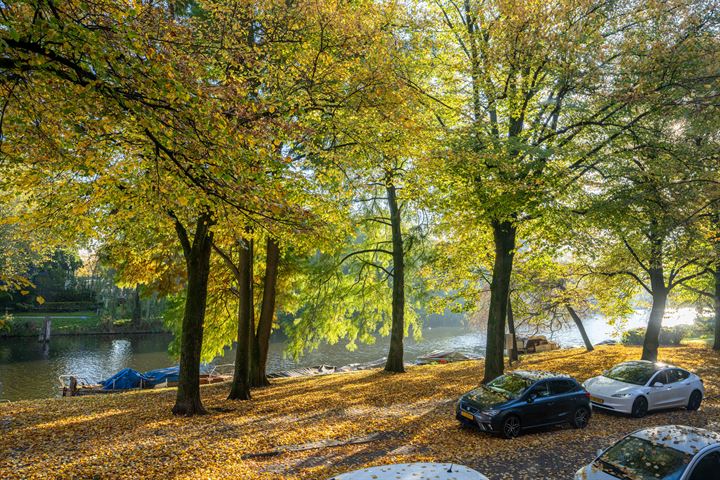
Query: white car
x=414, y=471
x=640, y=386
x=670, y=452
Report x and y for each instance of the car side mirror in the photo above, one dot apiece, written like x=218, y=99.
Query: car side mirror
x=658, y=384
x=531, y=398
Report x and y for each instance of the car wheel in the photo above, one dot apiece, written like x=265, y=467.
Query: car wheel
x=511, y=426
x=581, y=417
x=695, y=400
x=639, y=407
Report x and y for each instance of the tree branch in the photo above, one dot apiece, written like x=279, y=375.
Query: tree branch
x=630, y=274
x=228, y=261
x=374, y=250
x=635, y=255
x=182, y=235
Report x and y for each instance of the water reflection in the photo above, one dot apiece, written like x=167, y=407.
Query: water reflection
x=28, y=372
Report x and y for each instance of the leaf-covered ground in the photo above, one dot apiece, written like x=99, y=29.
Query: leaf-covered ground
x=411, y=417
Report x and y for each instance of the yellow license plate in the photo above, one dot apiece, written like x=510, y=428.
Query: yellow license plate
x=596, y=399
x=467, y=415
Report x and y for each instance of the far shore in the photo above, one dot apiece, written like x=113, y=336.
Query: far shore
x=78, y=334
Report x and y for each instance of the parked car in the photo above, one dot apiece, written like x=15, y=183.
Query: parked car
x=521, y=400
x=640, y=386
x=414, y=471
x=669, y=452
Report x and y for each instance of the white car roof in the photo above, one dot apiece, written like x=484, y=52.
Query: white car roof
x=658, y=365
x=413, y=471
x=686, y=439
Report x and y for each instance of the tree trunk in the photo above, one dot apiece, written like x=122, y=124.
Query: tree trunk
x=137, y=307
x=504, y=239
x=581, y=327
x=657, y=312
x=395, y=355
x=514, y=357
x=267, y=315
x=255, y=379
x=716, y=275
x=197, y=258
x=240, y=389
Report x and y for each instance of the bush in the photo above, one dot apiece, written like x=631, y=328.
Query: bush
x=106, y=323
x=634, y=336
x=704, y=326
x=669, y=336
x=5, y=322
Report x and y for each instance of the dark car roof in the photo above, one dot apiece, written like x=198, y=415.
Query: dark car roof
x=535, y=375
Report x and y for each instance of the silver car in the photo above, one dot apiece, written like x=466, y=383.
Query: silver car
x=413, y=471
x=639, y=386
x=670, y=452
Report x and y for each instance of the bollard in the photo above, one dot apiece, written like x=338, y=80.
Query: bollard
x=45, y=333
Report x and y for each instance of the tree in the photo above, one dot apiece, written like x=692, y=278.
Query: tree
x=252, y=337
x=197, y=257
x=547, y=291
x=648, y=212
x=395, y=270
x=150, y=116
x=695, y=133
x=137, y=316
x=16, y=253
x=536, y=92
x=258, y=372
x=345, y=292
x=168, y=123
x=374, y=144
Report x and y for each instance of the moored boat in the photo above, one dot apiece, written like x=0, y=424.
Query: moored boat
x=128, y=379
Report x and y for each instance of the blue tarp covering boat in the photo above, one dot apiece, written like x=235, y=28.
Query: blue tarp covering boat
x=125, y=379
x=128, y=378
x=161, y=375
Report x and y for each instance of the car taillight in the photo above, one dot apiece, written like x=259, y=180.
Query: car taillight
x=587, y=394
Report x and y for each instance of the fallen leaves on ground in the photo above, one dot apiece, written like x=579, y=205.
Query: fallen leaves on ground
x=134, y=435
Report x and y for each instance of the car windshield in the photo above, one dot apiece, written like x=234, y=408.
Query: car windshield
x=636, y=458
x=637, y=373
x=511, y=385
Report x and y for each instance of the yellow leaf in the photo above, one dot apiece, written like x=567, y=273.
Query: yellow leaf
x=40, y=299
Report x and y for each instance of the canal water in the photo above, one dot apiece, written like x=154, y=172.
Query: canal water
x=29, y=369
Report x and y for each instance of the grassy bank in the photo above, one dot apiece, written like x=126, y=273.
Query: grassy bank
x=72, y=323
x=410, y=415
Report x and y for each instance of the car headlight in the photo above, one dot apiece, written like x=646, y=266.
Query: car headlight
x=622, y=395
x=490, y=413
